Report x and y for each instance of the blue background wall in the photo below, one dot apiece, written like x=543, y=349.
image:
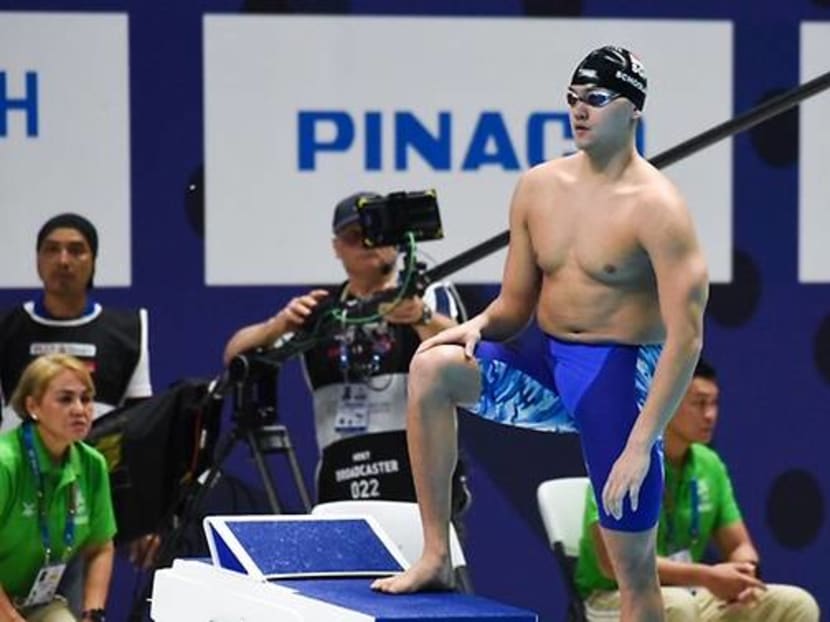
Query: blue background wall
x=769, y=336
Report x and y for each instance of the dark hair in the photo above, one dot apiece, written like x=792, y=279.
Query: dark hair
x=705, y=369
x=70, y=221
x=79, y=224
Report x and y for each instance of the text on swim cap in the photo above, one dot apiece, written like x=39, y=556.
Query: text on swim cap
x=624, y=77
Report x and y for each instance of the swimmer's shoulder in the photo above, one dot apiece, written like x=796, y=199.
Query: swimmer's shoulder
x=552, y=173
x=655, y=184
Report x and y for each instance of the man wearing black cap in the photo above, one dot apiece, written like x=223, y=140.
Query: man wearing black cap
x=359, y=400
x=603, y=252
x=112, y=342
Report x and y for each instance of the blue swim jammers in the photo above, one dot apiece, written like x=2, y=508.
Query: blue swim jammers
x=597, y=390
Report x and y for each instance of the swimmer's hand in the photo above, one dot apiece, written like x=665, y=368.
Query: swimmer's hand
x=626, y=478
x=466, y=335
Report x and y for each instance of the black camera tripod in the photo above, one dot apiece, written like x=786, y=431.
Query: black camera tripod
x=255, y=419
x=251, y=380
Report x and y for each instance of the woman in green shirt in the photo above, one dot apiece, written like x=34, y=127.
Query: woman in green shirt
x=55, y=499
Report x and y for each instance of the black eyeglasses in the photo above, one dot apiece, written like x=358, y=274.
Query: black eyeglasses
x=596, y=98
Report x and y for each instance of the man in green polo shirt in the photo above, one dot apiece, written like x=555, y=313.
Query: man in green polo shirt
x=699, y=509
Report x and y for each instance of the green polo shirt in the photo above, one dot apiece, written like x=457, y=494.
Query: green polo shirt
x=716, y=505
x=21, y=544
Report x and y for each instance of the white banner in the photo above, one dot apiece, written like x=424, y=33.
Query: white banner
x=814, y=152
x=64, y=136
x=302, y=111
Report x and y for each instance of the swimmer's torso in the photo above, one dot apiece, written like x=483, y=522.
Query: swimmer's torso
x=597, y=280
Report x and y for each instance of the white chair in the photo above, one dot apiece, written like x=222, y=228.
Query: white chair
x=562, y=507
x=402, y=522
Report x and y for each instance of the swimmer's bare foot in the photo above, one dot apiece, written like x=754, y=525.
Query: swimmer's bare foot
x=421, y=576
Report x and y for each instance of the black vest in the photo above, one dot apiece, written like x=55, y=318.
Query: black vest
x=109, y=343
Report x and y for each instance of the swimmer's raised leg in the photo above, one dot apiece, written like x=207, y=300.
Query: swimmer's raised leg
x=439, y=378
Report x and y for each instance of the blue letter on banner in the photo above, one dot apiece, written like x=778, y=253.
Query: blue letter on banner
x=307, y=143
x=27, y=104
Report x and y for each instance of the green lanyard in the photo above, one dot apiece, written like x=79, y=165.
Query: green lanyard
x=671, y=508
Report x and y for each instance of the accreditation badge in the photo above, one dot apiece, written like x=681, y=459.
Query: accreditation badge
x=353, y=409
x=684, y=556
x=45, y=585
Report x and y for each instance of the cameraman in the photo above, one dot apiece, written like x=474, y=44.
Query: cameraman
x=358, y=377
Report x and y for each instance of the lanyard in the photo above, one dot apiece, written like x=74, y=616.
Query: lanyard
x=694, y=527
x=69, y=530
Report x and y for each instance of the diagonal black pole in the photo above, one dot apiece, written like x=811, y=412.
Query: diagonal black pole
x=270, y=359
x=751, y=118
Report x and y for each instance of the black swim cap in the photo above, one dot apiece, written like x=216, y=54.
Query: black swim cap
x=617, y=69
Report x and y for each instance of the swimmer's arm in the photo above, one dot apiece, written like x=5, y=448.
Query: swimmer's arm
x=521, y=280
x=682, y=286
x=666, y=234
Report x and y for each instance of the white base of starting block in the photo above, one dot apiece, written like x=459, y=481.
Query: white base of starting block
x=303, y=569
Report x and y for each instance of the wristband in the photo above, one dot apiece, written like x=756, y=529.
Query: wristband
x=95, y=615
x=426, y=316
